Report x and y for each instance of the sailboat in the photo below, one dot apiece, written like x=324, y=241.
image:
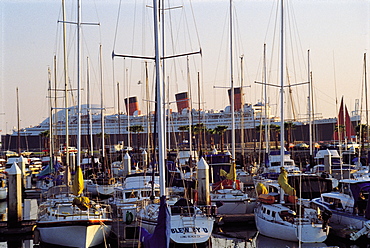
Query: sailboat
x=229, y=194
x=72, y=219
x=180, y=221
x=279, y=216
x=282, y=216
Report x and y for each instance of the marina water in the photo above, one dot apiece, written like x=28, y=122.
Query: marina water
x=243, y=235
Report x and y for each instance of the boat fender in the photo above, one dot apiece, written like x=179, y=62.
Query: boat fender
x=36, y=236
x=195, y=195
x=111, y=181
x=326, y=215
x=129, y=217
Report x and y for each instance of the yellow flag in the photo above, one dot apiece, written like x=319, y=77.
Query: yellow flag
x=78, y=182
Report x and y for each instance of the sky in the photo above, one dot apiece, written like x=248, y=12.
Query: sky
x=336, y=33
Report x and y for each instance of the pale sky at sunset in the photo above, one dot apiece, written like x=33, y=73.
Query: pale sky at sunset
x=335, y=31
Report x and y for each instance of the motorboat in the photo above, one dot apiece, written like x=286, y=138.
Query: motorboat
x=350, y=208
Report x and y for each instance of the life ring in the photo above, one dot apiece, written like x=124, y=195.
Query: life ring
x=129, y=217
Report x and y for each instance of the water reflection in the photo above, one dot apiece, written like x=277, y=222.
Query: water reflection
x=217, y=241
x=232, y=236
x=3, y=209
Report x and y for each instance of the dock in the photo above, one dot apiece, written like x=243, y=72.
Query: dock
x=25, y=226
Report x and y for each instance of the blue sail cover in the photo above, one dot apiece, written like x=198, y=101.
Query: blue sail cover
x=160, y=238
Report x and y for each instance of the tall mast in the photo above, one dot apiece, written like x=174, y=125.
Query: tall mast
x=232, y=86
x=190, y=112
x=148, y=125
x=51, y=142
x=119, y=114
x=267, y=120
x=242, y=102
x=78, y=83
x=89, y=109
x=65, y=81
x=102, y=106
x=159, y=99
x=55, y=125
x=18, y=126
x=282, y=134
x=366, y=105
x=309, y=105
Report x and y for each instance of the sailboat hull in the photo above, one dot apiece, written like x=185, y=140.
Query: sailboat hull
x=305, y=233
x=191, y=229
x=73, y=234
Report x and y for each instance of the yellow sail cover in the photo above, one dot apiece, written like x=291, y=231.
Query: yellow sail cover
x=283, y=182
x=231, y=175
x=78, y=182
x=261, y=189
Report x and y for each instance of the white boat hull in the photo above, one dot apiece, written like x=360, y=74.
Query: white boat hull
x=305, y=233
x=236, y=207
x=3, y=194
x=198, y=232
x=74, y=235
x=191, y=229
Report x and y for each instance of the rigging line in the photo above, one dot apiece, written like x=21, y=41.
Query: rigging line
x=116, y=31
x=219, y=58
x=272, y=54
x=195, y=23
x=97, y=16
x=298, y=34
x=171, y=39
x=114, y=80
x=335, y=86
x=57, y=38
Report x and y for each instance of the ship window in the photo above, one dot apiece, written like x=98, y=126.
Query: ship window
x=157, y=193
x=145, y=193
x=268, y=212
x=264, y=210
x=132, y=194
x=273, y=214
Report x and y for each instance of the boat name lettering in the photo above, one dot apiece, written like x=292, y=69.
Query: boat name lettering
x=189, y=230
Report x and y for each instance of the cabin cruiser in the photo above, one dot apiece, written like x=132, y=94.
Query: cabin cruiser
x=350, y=208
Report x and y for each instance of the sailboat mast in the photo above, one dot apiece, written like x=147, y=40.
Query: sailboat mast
x=190, y=112
x=366, y=103
x=102, y=107
x=89, y=110
x=267, y=137
x=309, y=105
x=78, y=83
x=232, y=85
x=159, y=100
x=55, y=125
x=51, y=141
x=65, y=82
x=18, y=126
x=282, y=135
